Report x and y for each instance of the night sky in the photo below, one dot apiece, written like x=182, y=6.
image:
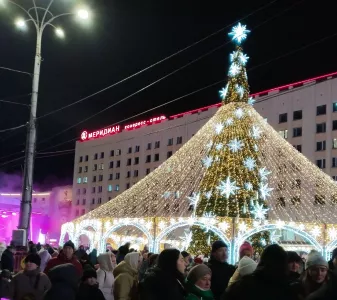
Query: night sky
x=127, y=36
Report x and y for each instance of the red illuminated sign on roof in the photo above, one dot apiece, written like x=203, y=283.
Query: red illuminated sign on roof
x=145, y=122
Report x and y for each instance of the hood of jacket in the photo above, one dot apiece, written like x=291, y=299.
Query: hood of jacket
x=105, y=262
x=65, y=274
x=124, y=268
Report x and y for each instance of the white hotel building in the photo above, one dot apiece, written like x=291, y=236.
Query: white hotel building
x=109, y=162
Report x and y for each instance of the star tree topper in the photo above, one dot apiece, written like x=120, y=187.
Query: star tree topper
x=239, y=33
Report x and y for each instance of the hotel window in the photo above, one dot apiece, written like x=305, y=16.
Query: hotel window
x=100, y=189
x=84, y=201
x=109, y=188
x=84, y=191
x=78, y=202
x=94, y=167
x=85, y=179
x=137, y=148
x=320, y=163
x=80, y=170
x=128, y=174
x=321, y=110
x=85, y=169
x=321, y=127
x=320, y=146
x=334, y=162
x=136, y=160
x=117, y=175
x=179, y=140
x=334, y=143
x=78, y=192
x=111, y=164
x=95, y=156
x=102, y=154
x=94, y=178
x=297, y=131
x=117, y=187
x=135, y=173
x=334, y=107
x=100, y=177
x=297, y=115
x=283, y=133
x=130, y=150
x=99, y=200
x=157, y=144
x=170, y=142
x=298, y=148
x=148, y=158
x=101, y=166
x=93, y=201
x=86, y=157
x=156, y=157
x=169, y=154
x=118, y=152
x=149, y=146
x=110, y=176
x=283, y=118
x=79, y=180
x=112, y=153
x=334, y=125
x=128, y=163
x=127, y=185
x=81, y=158
x=93, y=189
x=148, y=171
x=118, y=164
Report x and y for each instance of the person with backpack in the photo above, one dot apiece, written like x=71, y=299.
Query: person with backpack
x=31, y=283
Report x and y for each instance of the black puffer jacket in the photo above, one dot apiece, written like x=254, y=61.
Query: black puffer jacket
x=64, y=279
x=7, y=261
x=89, y=292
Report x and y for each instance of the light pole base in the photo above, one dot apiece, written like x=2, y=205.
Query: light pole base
x=19, y=237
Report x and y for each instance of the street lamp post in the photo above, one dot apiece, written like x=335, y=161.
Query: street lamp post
x=41, y=19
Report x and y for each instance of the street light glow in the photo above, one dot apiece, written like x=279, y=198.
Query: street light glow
x=59, y=32
x=20, y=23
x=83, y=14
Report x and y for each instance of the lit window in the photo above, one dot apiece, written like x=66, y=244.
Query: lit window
x=117, y=187
x=334, y=143
x=118, y=152
x=101, y=166
x=283, y=133
x=79, y=180
x=334, y=107
x=85, y=179
x=110, y=188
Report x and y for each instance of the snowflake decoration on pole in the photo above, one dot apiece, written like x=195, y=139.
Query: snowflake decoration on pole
x=259, y=212
x=256, y=132
x=239, y=33
x=207, y=161
x=251, y=101
x=250, y=163
x=223, y=92
x=228, y=187
x=239, y=113
x=263, y=172
x=265, y=190
x=218, y=128
x=240, y=90
x=243, y=58
x=235, y=145
x=234, y=70
x=248, y=186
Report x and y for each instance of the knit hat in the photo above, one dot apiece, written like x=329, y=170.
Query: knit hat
x=315, y=259
x=69, y=244
x=198, y=260
x=89, y=273
x=217, y=245
x=246, y=246
x=198, y=272
x=246, y=266
x=33, y=258
x=293, y=257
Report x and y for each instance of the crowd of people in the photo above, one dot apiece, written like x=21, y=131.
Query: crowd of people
x=126, y=274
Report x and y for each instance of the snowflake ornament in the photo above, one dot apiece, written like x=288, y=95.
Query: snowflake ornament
x=229, y=121
x=239, y=113
x=209, y=145
x=248, y=186
x=207, y=161
x=223, y=92
x=316, y=231
x=208, y=195
x=256, y=132
x=167, y=195
x=259, y=212
x=263, y=172
x=219, y=146
x=250, y=163
x=233, y=55
x=234, y=70
x=264, y=190
x=240, y=90
x=274, y=237
x=209, y=220
x=194, y=199
x=251, y=101
x=243, y=58
x=227, y=188
x=256, y=148
x=218, y=128
x=239, y=33
x=235, y=145
x=187, y=239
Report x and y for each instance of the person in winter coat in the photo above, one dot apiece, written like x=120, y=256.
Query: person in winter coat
x=126, y=277
x=88, y=289
x=246, y=267
x=167, y=280
x=294, y=264
x=93, y=257
x=30, y=283
x=333, y=260
x=327, y=291
x=64, y=279
x=105, y=277
x=221, y=270
x=66, y=256
x=122, y=251
x=7, y=259
x=198, y=283
x=269, y=280
x=45, y=257
x=5, y=284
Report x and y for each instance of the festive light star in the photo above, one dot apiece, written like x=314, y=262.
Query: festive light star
x=240, y=90
x=235, y=145
x=207, y=161
x=233, y=55
x=243, y=58
x=234, y=70
x=239, y=33
x=209, y=145
x=274, y=237
x=209, y=220
x=239, y=113
x=316, y=231
x=219, y=127
x=248, y=186
x=223, y=92
x=256, y=132
x=332, y=232
x=250, y=163
x=187, y=239
x=229, y=122
x=208, y=195
x=259, y=212
x=228, y=187
x=219, y=146
x=265, y=190
x=263, y=242
x=194, y=199
x=251, y=101
x=264, y=173
x=242, y=227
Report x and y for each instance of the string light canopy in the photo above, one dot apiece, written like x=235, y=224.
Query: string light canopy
x=235, y=166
